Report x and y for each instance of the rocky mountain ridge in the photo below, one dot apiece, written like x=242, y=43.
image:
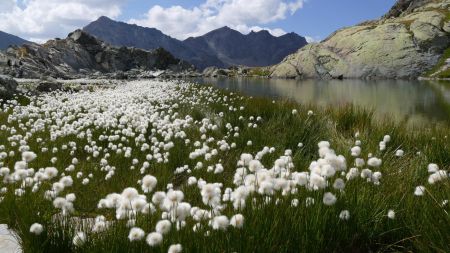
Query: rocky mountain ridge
x=404, y=44
x=81, y=55
x=223, y=47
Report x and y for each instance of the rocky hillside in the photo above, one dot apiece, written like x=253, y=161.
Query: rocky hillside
x=405, y=43
x=223, y=47
x=7, y=40
x=81, y=54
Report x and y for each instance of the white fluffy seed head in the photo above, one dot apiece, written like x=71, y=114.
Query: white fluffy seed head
x=220, y=222
x=149, y=183
x=374, y=162
x=136, y=234
x=329, y=199
x=163, y=227
x=237, y=221
x=391, y=214
x=36, y=229
x=175, y=248
x=28, y=156
x=419, y=191
x=344, y=215
x=154, y=239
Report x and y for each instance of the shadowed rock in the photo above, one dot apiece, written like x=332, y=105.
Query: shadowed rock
x=8, y=87
x=221, y=48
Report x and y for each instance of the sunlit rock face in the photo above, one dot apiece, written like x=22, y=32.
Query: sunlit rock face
x=405, y=43
x=81, y=54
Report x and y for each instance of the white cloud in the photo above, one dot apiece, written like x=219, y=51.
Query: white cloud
x=242, y=15
x=39, y=20
x=311, y=39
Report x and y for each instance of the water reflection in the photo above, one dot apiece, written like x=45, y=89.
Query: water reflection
x=422, y=102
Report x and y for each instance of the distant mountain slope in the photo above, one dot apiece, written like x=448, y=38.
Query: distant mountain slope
x=406, y=43
x=7, y=40
x=123, y=34
x=222, y=47
x=254, y=49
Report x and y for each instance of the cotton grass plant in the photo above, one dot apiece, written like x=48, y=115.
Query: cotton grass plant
x=170, y=166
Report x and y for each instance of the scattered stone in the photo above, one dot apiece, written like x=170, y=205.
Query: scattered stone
x=49, y=86
x=8, y=87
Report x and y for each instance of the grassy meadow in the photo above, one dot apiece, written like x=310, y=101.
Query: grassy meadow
x=168, y=166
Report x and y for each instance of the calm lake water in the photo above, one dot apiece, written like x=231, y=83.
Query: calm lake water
x=417, y=102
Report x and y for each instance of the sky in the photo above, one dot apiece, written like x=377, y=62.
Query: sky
x=40, y=20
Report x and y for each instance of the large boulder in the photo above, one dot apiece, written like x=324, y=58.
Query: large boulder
x=399, y=46
x=8, y=87
x=49, y=86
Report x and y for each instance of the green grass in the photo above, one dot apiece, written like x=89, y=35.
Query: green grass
x=263, y=72
x=421, y=223
x=439, y=65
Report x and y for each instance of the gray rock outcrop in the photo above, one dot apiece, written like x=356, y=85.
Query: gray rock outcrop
x=8, y=87
x=80, y=55
x=48, y=86
x=404, y=44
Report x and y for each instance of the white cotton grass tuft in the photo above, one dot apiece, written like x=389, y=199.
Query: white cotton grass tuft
x=344, y=215
x=432, y=168
x=237, y=221
x=374, y=162
x=437, y=176
x=175, y=248
x=149, y=183
x=163, y=227
x=391, y=214
x=220, y=222
x=329, y=199
x=136, y=234
x=36, y=229
x=28, y=156
x=399, y=153
x=154, y=239
x=419, y=191
x=355, y=151
x=339, y=184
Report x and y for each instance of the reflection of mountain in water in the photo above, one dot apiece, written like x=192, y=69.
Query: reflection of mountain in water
x=411, y=100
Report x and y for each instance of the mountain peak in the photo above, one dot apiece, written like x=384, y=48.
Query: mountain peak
x=262, y=32
x=224, y=29
x=104, y=18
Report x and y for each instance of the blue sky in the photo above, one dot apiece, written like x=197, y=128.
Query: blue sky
x=317, y=18
x=39, y=20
